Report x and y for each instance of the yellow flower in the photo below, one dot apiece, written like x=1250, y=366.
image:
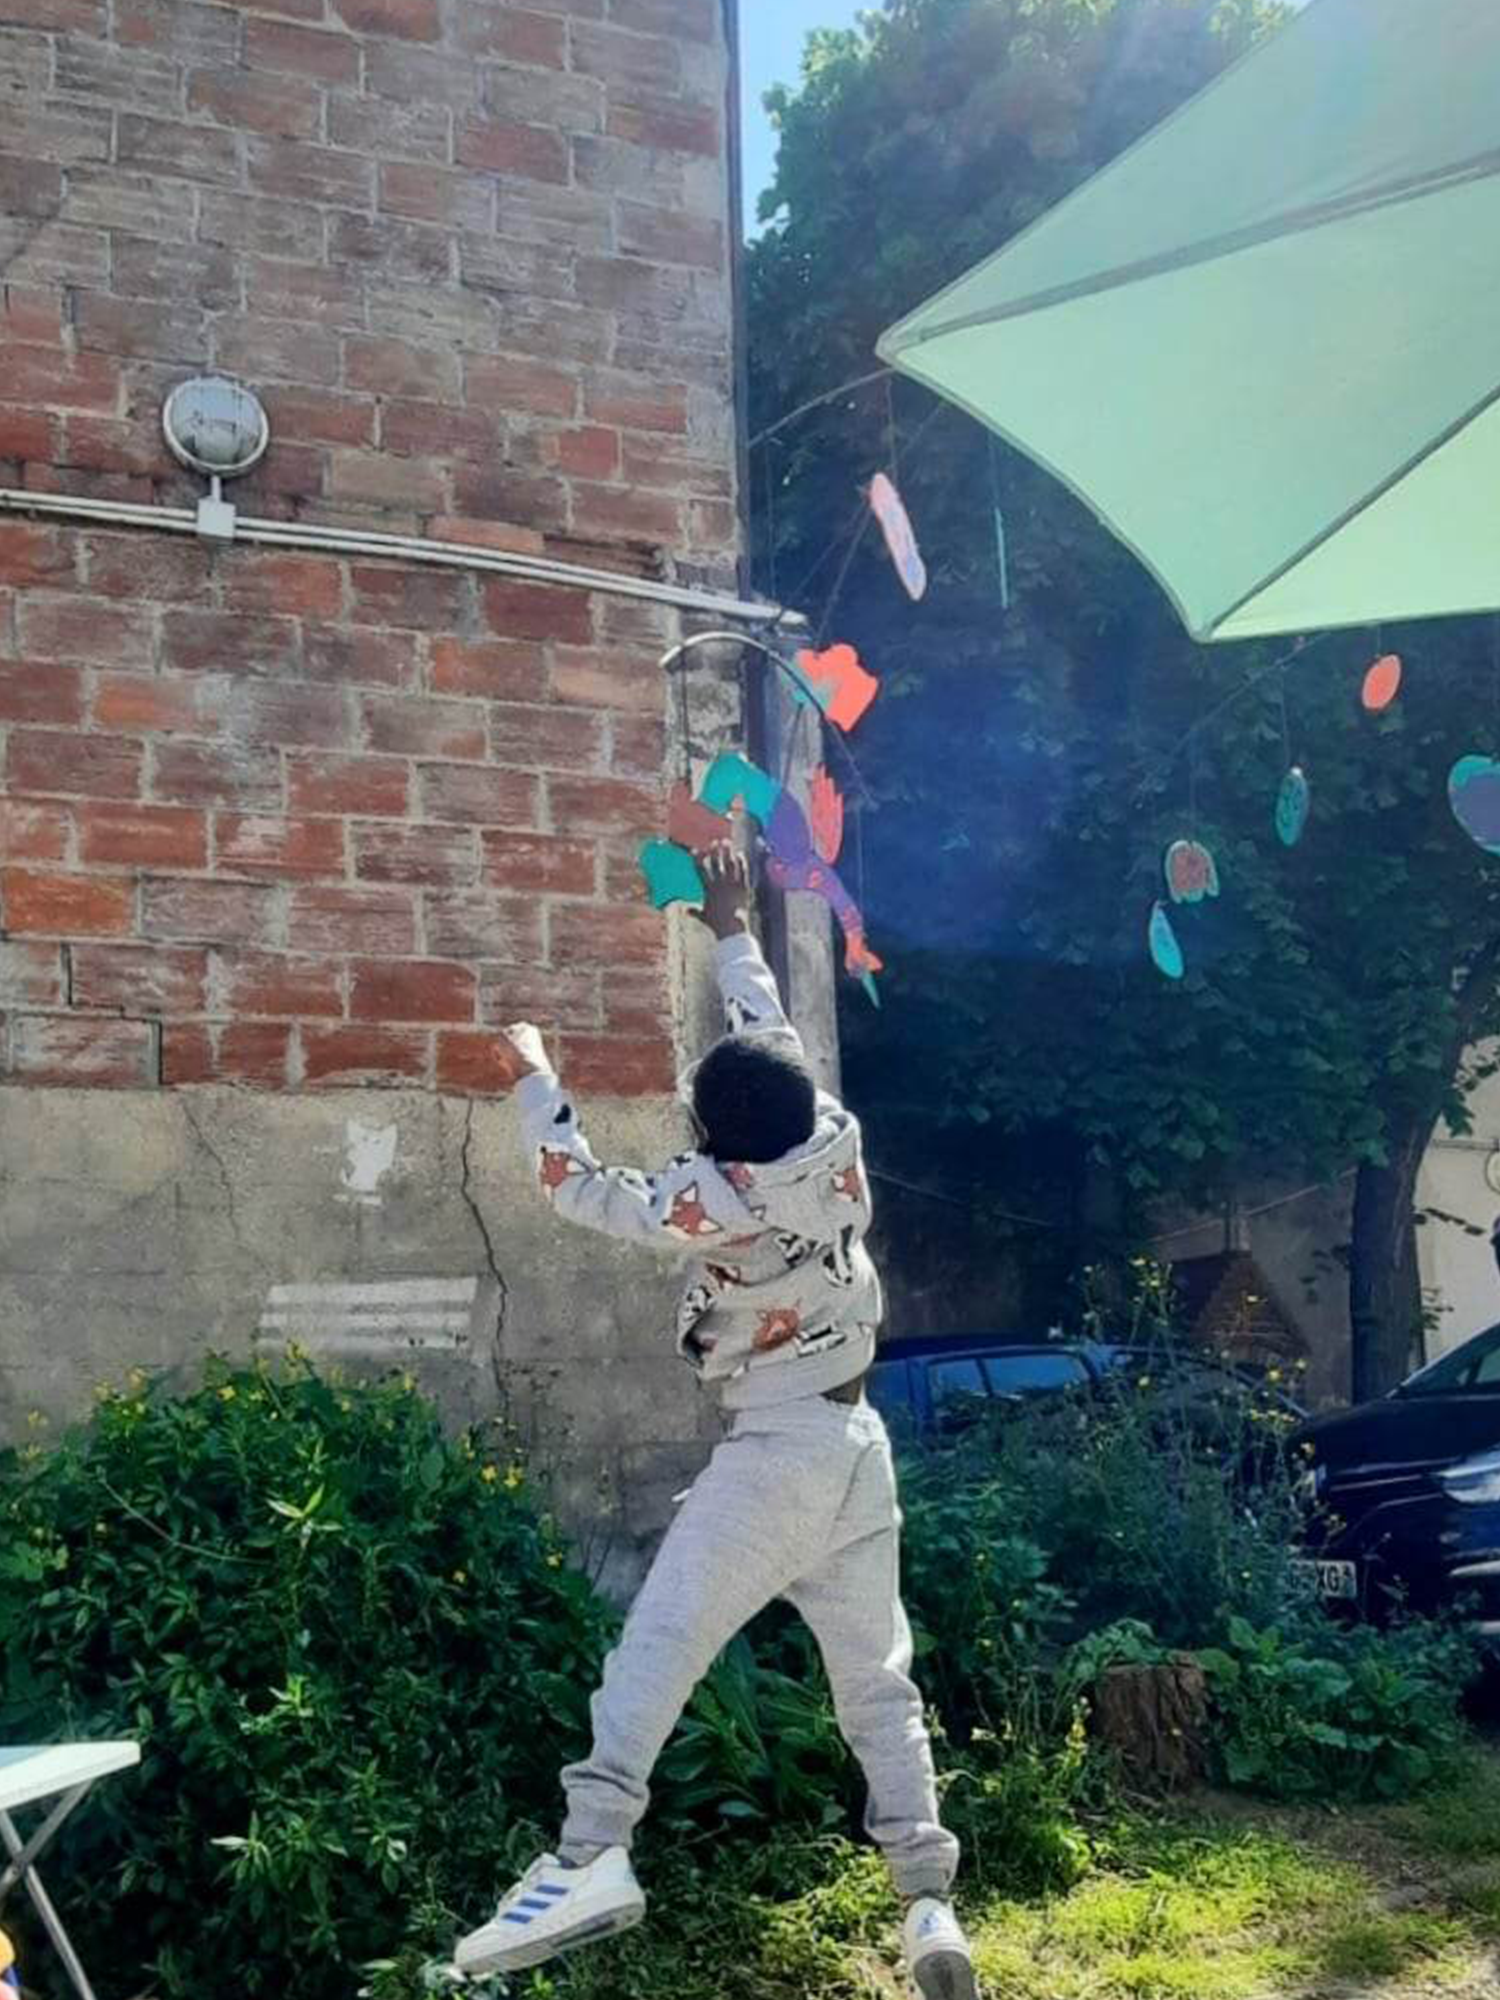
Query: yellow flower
x=554, y=1561
x=514, y=1477
x=490, y=1474
x=1273, y=1375
x=460, y=1576
x=1144, y=1382
x=228, y=1393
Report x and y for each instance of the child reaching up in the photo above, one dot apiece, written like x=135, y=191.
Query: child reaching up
x=779, y=1318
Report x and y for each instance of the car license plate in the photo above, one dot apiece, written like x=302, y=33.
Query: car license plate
x=1326, y=1579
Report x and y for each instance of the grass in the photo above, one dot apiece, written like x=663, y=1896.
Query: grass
x=1220, y=1900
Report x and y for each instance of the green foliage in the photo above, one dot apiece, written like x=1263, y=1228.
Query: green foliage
x=1071, y=1516
x=334, y=1633
x=1030, y=765
x=1325, y=1714
x=759, y=1745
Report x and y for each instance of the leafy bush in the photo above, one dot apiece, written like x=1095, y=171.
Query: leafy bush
x=356, y=1659
x=1142, y=1505
x=984, y=1616
x=759, y=1745
x=335, y=1633
x=1329, y=1713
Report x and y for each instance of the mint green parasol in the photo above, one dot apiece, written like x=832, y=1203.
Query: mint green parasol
x=1264, y=345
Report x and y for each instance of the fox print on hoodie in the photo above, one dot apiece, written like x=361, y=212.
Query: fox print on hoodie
x=782, y=1298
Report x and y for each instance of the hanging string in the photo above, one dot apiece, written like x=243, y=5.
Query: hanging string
x=1246, y=686
x=685, y=729
x=892, y=447
x=771, y=528
x=841, y=579
x=1002, y=552
x=1286, y=724
x=816, y=403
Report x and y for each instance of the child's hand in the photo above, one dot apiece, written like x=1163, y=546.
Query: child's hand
x=528, y=1048
x=727, y=905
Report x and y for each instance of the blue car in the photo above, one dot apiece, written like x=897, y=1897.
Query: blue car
x=1404, y=1493
x=936, y=1387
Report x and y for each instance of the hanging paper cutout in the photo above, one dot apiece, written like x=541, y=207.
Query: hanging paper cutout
x=837, y=684
x=826, y=811
x=671, y=874
x=1382, y=683
x=692, y=825
x=1293, y=803
x=895, y=524
x=1474, y=794
x=1166, y=952
x=1191, y=872
x=733, y=780
x=801, y=847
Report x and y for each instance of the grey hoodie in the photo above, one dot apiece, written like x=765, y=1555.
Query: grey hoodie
x=783, y=1300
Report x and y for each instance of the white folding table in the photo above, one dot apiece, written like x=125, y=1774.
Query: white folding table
x=34, y=1775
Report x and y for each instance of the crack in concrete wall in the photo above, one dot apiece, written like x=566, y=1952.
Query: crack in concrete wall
x=502, y=1290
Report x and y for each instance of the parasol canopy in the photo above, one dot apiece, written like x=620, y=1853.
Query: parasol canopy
x=1264, y=344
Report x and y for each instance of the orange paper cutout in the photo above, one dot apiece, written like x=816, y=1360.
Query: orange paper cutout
x=1382, y=683
x=826, y=815
x=838, y=683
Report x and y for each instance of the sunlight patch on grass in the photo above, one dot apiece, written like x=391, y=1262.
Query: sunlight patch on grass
x=1198, y=1912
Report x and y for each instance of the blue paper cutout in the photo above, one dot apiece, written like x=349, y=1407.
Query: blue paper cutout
x=1293, y=803
x=1166, y=952
x=1474, y=794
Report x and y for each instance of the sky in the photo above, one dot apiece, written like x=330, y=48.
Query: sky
x=771, y=37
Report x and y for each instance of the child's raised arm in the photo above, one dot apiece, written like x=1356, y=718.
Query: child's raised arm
x=687, y=1205
x=752, y=999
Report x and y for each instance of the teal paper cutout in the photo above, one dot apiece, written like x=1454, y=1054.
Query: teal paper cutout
x=671, y=874
x=1166, y=952
x=730, y=778
x=1293, y=803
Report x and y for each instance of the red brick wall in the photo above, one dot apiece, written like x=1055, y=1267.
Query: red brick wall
x=288, y=820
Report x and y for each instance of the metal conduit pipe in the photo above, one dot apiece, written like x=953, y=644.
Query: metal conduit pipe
x=405, y=548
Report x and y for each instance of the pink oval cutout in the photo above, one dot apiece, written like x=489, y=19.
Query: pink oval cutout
x=1382, y=683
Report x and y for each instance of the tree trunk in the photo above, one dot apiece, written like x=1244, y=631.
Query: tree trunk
x=1156, y=1720
x=1385, y=1288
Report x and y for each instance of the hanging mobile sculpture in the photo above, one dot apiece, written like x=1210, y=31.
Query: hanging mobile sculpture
x=1381, y=684
x=1191, y=872
x=900, y=539
x=1166, y=952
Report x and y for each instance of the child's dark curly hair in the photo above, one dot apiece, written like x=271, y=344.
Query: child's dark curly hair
x=754, y=1101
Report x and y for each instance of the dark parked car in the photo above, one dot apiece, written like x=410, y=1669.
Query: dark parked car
x=1407, y=1492
x=937, y=1386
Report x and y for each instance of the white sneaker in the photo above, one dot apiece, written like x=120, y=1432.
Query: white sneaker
x=937, y=1952
x=553, y=1909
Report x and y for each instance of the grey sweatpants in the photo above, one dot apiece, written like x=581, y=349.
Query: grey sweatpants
x=799, y=1502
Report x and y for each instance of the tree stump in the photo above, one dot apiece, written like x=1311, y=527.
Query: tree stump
x=1156, y=1720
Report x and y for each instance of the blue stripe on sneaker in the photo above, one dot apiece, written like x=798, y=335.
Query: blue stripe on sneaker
x=550, y=1889
x=515, y=1917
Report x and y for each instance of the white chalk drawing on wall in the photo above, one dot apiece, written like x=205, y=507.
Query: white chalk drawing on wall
x=369, y=1155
